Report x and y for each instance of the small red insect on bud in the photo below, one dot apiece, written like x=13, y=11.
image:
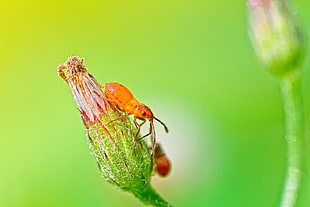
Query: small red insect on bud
x=123, y=99
x=162, y=164
x=121, y=162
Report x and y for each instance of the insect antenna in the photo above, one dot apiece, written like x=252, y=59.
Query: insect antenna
x=162, y=123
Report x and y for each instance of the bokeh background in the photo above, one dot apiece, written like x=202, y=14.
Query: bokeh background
x=190, y=61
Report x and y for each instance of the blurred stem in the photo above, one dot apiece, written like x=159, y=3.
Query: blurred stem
x=291, y=94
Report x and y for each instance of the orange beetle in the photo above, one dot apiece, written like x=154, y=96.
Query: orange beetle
x=125, y=101
x=162, y=164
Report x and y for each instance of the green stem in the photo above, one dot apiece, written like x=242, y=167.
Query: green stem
x=150, y=197
x=291, y=94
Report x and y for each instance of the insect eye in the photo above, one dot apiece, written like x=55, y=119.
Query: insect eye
x=143, y=113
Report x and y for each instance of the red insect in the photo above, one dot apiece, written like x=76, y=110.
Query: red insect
x=125, y=101
x=162, y=164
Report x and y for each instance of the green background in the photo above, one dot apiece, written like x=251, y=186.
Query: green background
x=190, y=61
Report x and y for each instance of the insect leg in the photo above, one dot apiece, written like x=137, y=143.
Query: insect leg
x=138, y=127
x=154, y=136
x=149, y=133
x=121, y=117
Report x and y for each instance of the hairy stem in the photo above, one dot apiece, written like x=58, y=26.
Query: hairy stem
x=291, y=94
x=150, y=197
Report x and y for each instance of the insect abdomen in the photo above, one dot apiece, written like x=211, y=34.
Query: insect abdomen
x=120, y=95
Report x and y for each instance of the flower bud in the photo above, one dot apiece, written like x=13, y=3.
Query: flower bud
x=276, y=36
x=120, y=161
